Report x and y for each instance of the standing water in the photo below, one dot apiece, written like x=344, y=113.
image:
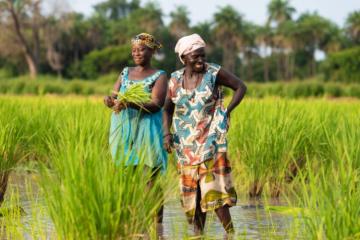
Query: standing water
x=251, y=220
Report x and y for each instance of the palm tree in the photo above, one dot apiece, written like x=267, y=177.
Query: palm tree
x=352, y=26
x=116, y=9
x=280, y=11
x=286, y=42
x=179, y=25
x=314, y=33
x=249, y=48
x=228, y=32
x=264, y=39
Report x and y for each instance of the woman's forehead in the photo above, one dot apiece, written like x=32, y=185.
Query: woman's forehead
x=139, y=45
x=197, y=51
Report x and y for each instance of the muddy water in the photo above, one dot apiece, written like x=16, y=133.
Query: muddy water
x=251, y=220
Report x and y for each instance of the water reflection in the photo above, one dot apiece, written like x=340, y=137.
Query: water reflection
x=251, y=220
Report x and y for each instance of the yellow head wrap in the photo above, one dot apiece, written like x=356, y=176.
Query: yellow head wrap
x=146, y=39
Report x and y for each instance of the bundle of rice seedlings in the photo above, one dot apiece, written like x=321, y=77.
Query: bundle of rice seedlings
x=135, y=94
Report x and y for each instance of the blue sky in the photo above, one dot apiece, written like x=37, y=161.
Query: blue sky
x=254, y=10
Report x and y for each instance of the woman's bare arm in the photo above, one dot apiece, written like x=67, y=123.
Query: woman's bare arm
x=228, y=79
x=168, y=113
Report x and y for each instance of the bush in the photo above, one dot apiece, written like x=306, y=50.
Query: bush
x=305, y=89
x=104, y=85
x=343, y=66
x=334, y=90
x=354, y=90
x=110, y=59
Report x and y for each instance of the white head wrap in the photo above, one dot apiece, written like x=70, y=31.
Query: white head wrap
x=188, y=44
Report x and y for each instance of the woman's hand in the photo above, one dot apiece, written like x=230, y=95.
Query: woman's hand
x=168, y=142
x=227, y=121
x=118, y=106
x=109, y=101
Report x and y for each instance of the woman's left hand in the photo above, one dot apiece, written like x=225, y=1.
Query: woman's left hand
x=227, y=121
x=168, y=142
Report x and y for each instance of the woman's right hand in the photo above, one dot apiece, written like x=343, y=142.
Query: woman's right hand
x=168, y=142
x=118, y=106
x=109, y=101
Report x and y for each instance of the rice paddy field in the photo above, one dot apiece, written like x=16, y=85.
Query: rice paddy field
x=296, y=168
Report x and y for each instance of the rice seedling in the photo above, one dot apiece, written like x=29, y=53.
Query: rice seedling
x=270, y=139
x=29, y=223
x=87, y=195
x=306, y=151
x=135, y=94
x=331, y=192
x=11, y=144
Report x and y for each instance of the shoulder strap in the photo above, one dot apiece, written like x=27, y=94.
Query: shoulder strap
x=213, y=68
x=177, y=74
x=122, y=77
x=151, y=80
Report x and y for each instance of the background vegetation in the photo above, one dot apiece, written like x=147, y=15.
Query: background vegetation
x=72, y=46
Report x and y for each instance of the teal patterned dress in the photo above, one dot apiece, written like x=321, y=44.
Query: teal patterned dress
x=199, y=121
x=136, y=135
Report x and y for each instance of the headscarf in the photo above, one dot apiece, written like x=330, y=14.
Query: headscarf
x=146, y=39
x=188, y=44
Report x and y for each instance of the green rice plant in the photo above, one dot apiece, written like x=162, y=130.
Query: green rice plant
x=11, y=143
x=88, y=196
x=135, y=94
x=19, y=223
x=331, y=192
x=270, y=139
x=267, y=140
x=10, y=220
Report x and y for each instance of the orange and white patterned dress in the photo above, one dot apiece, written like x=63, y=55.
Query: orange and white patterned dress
x=200, y=128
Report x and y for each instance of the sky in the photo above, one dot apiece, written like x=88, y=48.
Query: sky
x=253, y=10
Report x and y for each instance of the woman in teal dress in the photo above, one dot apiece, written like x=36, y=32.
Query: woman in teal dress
x=136, y=131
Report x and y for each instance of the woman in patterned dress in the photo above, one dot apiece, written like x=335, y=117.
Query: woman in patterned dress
x=135, y=134
x=194, y=107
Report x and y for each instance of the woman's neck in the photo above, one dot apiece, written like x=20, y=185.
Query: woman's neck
x=189, y=72
x=143, y=68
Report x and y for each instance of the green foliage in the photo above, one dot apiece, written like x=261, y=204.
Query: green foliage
x=49, y=85
x=106, y=60
x=303, y=89
x=104, y=84
x=353, y=26
x=343, y=66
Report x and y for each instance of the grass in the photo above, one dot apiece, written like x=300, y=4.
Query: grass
x=294, y=89
x=303, y=150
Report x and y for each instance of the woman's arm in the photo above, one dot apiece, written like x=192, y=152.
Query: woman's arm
x=228, y=79
x=158, y=95
x=167, y=121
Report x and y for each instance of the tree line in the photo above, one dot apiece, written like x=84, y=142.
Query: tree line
x=71, y=45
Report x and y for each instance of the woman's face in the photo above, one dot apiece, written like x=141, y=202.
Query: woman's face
x=141, y=54
x=196, y=60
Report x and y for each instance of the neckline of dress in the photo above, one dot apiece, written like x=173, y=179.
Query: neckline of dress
x=200, y=83
x=140, y=80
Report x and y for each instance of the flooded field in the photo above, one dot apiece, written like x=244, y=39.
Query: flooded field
x=251, y=220
x=279, y=149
